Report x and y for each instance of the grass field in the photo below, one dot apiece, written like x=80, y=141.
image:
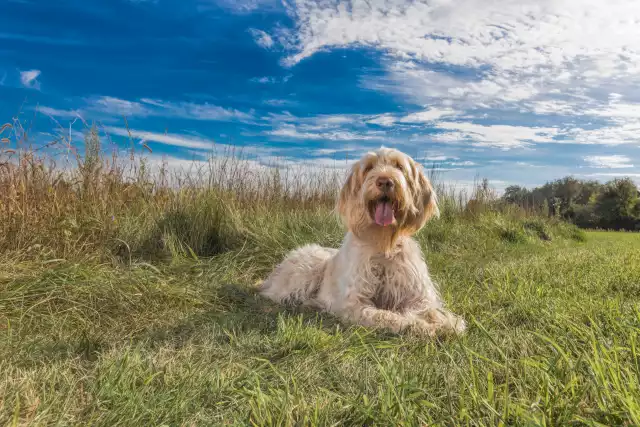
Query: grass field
x=128, y=300
x=553, y=340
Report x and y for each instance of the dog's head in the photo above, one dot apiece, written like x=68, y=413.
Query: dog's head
x=386, y=192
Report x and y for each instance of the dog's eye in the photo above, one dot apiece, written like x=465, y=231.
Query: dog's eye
x=368, y=168
x=400, y=167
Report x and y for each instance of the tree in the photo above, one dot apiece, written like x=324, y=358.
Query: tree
x=589, y=204
x=515, y=194
x=616, y=205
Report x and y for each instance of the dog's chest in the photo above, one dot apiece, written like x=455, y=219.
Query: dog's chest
x=394, y=284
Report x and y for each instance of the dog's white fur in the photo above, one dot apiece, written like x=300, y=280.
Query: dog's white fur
x=378, y=278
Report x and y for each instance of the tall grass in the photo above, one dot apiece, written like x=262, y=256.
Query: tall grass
x=120, y=205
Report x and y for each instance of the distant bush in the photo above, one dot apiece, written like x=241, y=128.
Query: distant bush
x=613, y=205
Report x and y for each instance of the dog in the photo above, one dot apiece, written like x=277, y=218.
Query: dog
x=378, y=277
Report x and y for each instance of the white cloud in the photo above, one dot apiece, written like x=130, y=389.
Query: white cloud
x=512, y=35
x=430, y=115
x=196, y=145
x=612, y=174
x=245, y=6
x=386, y=120
x=422, y=85
x=263, y=39
x=318, y=122
x=333, y=151
x=426, y=116
x=122, y=107
x=554, y=107
x=265, y=80
x=188, y=110
x=183, y=141
x=279, y=102
x=29, y=79
x=609, y=135
x=437, y=158
x=464, y=163
x=292, y=132
x=619, y=112
x=609, y=162
x=318, y=163
x=54, y=112
x=543, y=56
x=151, y=107
x=498, y=136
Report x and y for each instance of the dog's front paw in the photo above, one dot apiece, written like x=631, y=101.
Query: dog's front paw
x=445, y=322
x=421, y=328
x=460, y=325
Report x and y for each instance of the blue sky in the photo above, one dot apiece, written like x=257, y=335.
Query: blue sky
x=518, y=91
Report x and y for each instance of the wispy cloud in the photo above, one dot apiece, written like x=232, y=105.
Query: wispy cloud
x=498, y=136
x=292, y=132
x=151, y=107
x=279, y=102
x=609, y=162
x=244, y=6
x=430, y=115
x=120, y=107
x=271, y=79
x=54, y=112
x=464, y=163
x=334, y=151
x=182, y=141
x=609, y=135
x=265, y=80
x=29, y=79
x=190, y=110
x=263, y=39
x=196, y=145
x=419, y=117
x=437, y=158
x=613, y=175
x=386, y=120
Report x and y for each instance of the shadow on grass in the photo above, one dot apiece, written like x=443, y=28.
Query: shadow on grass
x=236, y=310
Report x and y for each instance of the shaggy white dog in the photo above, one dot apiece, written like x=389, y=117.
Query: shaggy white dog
x=378, y=277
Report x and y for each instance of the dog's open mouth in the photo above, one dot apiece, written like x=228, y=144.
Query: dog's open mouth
x=384, y=211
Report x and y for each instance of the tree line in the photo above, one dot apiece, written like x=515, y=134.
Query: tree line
x=589, y=204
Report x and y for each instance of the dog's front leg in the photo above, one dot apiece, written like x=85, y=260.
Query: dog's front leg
x=368, y=315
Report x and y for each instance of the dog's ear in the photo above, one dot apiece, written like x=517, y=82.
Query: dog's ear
x=347, y=191
x=425, y=200
x=427, y=197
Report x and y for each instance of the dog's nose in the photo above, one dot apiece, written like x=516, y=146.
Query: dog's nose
x=384, y=183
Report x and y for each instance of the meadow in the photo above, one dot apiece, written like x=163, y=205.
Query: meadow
x=127, y=297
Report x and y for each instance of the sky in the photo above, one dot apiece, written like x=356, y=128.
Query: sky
x=516, y=91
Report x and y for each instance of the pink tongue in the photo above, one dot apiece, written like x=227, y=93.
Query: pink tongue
x=384, y=214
